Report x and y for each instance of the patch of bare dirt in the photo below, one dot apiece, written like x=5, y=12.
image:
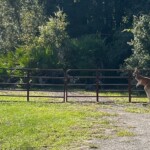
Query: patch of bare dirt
x=136, y=123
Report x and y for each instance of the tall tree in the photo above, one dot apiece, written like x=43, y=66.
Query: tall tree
x=19, y=22
x=88, y=51
x=140, y=43
x=45, y=50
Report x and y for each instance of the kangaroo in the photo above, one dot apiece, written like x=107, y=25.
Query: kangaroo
x=144, y=81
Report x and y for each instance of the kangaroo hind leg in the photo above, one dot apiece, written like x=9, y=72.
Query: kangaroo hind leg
x=147, y=90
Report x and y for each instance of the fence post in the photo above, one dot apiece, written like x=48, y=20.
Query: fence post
x=97, y=86
x=65, y=86
x=28, y=85
x=129, y=85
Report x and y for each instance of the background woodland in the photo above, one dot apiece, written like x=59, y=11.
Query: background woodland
x=74, y=33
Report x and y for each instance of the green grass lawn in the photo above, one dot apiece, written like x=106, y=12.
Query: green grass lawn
x=50, y=126
x=55, y=126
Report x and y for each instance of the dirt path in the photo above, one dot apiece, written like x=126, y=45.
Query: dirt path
x=139, y=124
x=136, y=123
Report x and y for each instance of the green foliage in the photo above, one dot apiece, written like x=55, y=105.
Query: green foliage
x=31, y=17
x=8, y=28
x=33, y=42
x=43, y=51
x=141, y=43
x=88, y=51
x=53, y=33
x=53, y=37
x=118, y=50
x=19, y=22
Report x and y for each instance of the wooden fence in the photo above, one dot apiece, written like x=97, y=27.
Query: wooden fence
x=14, y=82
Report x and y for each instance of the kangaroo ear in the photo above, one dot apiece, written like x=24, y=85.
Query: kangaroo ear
x=137, y=70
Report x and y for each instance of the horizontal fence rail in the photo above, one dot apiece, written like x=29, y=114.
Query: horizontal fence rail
x=50, y=84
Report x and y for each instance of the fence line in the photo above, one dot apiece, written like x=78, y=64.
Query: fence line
x=58, y=80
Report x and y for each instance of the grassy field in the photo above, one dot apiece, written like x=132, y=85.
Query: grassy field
x=56, y=126
x=50, y=126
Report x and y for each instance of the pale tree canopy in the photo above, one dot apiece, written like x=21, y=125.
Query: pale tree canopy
x=140, y=43
x=19, y=22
